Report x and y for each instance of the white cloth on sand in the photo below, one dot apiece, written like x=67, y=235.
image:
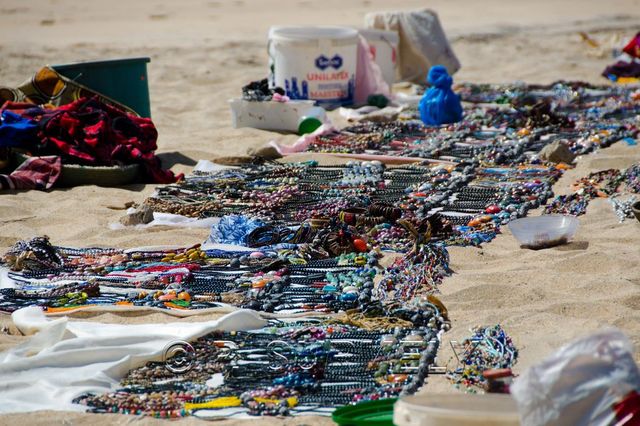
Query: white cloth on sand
x=65, y=359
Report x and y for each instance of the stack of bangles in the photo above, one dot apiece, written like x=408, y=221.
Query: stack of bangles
x=374, y=215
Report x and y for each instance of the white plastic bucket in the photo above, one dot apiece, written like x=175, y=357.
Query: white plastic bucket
x=384, y=48
x=456, y=410
x=317, y=63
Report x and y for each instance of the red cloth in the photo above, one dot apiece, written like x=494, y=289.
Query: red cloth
x=92, y=133
x=633, y=47
x=33, y=173
x=628, y=410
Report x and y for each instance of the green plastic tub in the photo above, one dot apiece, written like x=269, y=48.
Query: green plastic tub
x=370, y=413
x=123, y=80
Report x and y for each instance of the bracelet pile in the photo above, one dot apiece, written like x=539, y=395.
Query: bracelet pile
x=285, y=368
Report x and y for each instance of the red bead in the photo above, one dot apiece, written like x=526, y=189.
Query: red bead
x=360, y=245
x=492, y=209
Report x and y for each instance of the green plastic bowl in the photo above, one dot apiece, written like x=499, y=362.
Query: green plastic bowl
x=370, y=413
x=78, y=175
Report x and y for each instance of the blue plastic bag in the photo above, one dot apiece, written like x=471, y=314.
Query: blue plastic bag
x=440, y=105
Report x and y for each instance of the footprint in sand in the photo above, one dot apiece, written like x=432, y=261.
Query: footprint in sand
x=249, y=61
x=14, y=11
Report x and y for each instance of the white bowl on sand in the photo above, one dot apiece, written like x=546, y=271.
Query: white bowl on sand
x=538, y=232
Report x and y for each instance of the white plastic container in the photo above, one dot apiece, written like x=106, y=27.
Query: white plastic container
x=456, y=410
x=384, y=47
x=317, y=63
x=537, y=232
x=272, y=115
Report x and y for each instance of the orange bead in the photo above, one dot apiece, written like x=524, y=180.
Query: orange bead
x=397, y=378
x=474, y=222
x=165, y=297
x=259, y=284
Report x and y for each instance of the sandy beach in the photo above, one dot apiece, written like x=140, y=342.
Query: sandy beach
x=203, y=51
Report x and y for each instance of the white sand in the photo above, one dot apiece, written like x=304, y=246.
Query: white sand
x=202, y=52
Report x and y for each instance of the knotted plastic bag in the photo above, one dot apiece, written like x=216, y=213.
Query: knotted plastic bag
x=592, y=381
x=440, y=105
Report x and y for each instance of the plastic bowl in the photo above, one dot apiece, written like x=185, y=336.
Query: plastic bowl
x=456, y=409
x=540, y=232
x=77, y=175
x=635, y=208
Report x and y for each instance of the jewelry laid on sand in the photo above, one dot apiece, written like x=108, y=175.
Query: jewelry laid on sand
x=356, y=252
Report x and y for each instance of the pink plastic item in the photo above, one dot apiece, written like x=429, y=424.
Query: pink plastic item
x=369, y=79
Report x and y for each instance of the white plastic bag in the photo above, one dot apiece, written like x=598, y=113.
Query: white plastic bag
x=423, y=42
x=583, y=383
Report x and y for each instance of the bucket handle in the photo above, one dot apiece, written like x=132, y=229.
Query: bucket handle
x=272, y=66
x=74, y=79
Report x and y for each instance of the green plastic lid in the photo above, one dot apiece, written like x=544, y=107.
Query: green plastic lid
x=308, y=125
x=370, y=413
